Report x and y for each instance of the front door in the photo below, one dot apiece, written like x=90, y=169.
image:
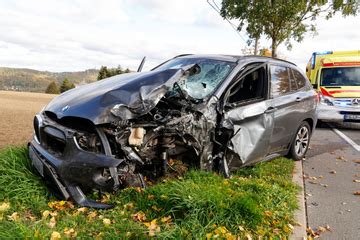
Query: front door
x=249, y=115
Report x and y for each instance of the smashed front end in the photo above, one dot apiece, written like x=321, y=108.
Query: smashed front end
x=146, y=135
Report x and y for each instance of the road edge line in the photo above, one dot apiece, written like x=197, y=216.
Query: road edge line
x=299, y=231
x=346, y=138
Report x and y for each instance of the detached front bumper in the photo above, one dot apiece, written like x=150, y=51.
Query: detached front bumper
x=72, y=168
x=338, y=114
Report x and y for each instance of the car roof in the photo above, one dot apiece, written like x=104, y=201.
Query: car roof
x=235, y=58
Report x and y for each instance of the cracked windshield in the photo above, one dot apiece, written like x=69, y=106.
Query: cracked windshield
x=201, y=85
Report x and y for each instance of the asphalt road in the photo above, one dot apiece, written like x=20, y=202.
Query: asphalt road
x=329, y=173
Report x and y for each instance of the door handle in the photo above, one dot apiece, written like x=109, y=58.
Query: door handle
x=270, y=110
x=298, y=99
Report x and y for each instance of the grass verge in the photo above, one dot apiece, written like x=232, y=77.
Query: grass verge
x=256, y=201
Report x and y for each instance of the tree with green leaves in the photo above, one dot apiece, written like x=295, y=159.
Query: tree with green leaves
x=105, y=72
x=281, y=20
x=52, y=88
x=66, y=85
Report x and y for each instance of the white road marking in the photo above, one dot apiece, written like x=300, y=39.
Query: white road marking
x=347, y=139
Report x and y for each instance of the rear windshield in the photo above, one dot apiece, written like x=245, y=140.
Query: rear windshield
x=201, y=85
x=340, y=76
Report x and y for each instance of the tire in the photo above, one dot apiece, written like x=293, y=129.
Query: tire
x=301, y=142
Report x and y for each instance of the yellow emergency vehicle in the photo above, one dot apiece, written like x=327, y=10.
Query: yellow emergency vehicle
x=336, y=77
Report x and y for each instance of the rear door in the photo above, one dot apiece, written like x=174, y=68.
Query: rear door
x=285, y=103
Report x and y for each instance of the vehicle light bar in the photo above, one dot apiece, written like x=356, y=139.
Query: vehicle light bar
x=313, y=58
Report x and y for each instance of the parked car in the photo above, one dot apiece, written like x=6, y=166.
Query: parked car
x=213, y=112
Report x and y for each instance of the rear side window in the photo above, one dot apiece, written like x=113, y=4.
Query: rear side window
x=293, y=85
x=279, y=81
x=300, y=80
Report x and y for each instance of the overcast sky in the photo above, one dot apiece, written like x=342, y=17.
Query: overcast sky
x=70, y=35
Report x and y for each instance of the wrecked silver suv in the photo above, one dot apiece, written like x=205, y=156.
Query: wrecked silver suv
x=213, y=112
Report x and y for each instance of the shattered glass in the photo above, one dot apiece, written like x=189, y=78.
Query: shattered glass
x=202, y=84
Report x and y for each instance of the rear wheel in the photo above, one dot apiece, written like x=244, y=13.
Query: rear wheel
x=301, y=142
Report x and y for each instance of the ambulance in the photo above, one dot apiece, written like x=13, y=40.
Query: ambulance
x=336, y=77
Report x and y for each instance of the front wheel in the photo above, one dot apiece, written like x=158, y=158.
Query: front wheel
x=301, y=141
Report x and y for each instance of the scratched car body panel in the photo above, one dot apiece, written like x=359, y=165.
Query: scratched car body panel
x=213, y=112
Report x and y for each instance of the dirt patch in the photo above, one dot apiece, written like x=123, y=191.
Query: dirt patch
x=17, y=110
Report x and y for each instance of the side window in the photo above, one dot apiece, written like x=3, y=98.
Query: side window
x=293, y=85
x=250, y=87
x=300, y=80
x=279, y=80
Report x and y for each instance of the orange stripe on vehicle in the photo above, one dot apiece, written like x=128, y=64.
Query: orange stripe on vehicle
x=342, y=91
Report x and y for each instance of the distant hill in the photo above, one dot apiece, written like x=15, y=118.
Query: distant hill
x=22, y=79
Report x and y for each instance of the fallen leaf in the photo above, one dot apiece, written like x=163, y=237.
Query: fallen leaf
x=106, y=221
x=55, y=236
x=241, y=228
x=129, y=205
x=323, y=185
x=4, y=207
x=357, y=161
x=153, y=227
x=92, y=215
x=357, y=193
x=321, y=176
x=139, y=217
x=70, y=232
x=156, y=208
x=14, y=217
x=340, y=158
x=321, y=229
x=52, y=222
x=166, y=219
x=82, y=209
x=53, y=214
x=312, y=182
x=105, y=198
x=328, y=228
x=29, y=215
x=356, y=180
x=268, y=213
x=313, y=178
x=333, y=172
x=248, y=236
x=151, y=197
x=45, y=214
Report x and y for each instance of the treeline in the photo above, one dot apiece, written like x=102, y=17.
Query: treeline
x=104, y=72
x=53, y=88
x=30, y=80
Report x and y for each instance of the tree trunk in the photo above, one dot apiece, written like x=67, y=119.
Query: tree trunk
x=273, y=48
x=256, y=46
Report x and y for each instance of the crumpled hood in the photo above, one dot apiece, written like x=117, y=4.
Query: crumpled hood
x=133, y=94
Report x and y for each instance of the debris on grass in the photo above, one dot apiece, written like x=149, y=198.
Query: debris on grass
x=257, y=202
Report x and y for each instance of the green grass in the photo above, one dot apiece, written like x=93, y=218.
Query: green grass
x=256, y=201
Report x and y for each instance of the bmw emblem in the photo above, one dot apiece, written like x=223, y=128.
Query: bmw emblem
x=64, y=109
